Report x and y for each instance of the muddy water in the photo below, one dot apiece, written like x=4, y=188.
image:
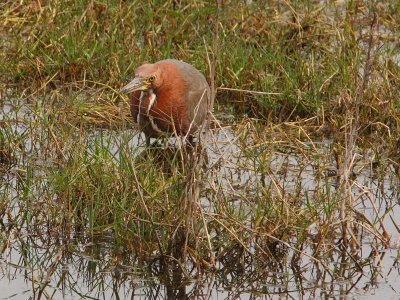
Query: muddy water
x=94, y=268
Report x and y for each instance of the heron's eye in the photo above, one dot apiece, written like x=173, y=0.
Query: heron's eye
x=151, y=78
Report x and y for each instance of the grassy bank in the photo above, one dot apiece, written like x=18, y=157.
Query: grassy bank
x=308, y=52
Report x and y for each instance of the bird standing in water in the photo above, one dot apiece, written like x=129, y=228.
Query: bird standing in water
x=167, y=97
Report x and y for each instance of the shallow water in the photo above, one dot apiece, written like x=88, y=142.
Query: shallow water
x=38, y=264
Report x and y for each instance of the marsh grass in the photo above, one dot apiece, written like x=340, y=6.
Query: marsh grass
x=260, y=193
x=261, y=190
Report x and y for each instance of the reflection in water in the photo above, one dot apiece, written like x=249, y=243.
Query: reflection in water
x=98, y=270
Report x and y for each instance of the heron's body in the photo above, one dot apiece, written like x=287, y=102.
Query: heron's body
x=169, y=97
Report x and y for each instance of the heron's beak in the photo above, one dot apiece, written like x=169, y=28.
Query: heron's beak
x=137, y=84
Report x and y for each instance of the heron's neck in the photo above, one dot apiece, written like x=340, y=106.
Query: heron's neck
x=152, y=98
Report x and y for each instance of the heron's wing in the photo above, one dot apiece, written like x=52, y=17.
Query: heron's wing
x=135, y=102
x=197, y=100
x=198, y=94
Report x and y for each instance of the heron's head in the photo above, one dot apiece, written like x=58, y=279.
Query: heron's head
x=147, y=76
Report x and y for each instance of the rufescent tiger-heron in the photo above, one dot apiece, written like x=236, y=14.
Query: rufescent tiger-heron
x=169, y=97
